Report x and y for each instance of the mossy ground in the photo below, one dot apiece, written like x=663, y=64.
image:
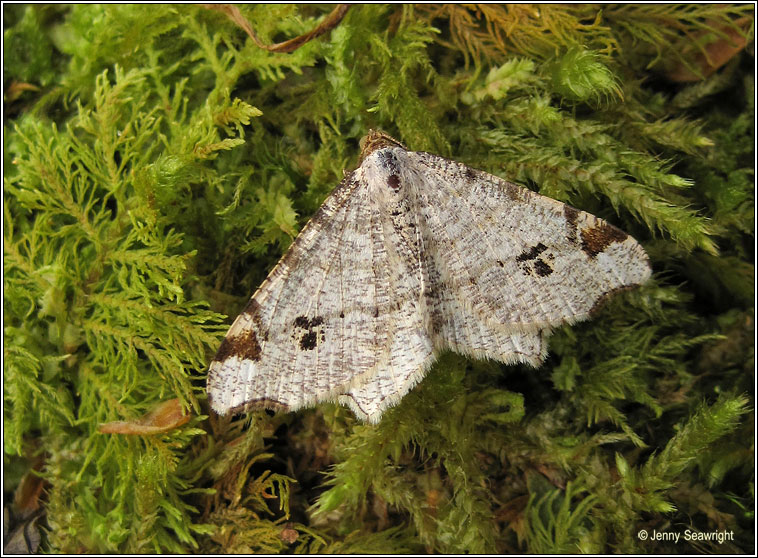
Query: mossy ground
x=157, y=165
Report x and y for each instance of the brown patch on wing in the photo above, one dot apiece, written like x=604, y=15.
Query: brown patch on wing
x=571, y=214
x=598, y=238
x=243, y=345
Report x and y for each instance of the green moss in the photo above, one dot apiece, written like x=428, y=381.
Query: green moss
x=161, y=164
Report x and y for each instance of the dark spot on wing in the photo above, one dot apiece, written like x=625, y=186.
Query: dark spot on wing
x=376, y=312
x=532, y=253
x=308, y=341
x=542, y=269
x=532, y=261
x=310, y=338
x=304, y=323
x=243, y=345
x=393, y=181
x=471, y=174
x=598, y=238
x=571, y=216
x=501, y=264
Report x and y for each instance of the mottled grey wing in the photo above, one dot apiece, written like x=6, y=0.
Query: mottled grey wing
x=511, y=261
x=391, y=382
x=326, y=316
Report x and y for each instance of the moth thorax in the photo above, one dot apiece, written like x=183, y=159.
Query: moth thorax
x=384, y=170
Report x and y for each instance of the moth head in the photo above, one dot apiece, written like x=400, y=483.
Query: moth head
x=376, y=139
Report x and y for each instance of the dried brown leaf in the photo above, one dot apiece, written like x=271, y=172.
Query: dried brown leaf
x=715, y=54
x=163, y=418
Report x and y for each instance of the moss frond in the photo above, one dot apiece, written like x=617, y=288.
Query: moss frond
x=488, y=32
x=580, y=75
x=555, y=525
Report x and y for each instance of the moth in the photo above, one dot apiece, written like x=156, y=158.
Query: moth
x=413, y=254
